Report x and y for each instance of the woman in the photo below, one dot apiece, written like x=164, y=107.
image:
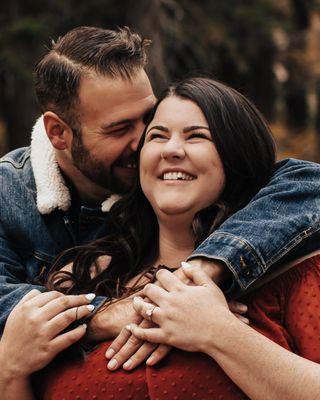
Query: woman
x=205, y=153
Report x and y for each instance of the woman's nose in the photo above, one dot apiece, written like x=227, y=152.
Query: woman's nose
x=173, y=149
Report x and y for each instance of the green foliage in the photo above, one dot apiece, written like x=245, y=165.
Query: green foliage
x=231, y=40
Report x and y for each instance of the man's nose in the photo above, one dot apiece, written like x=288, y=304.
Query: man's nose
x=136, y=136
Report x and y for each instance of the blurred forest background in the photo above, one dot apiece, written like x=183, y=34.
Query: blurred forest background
x=267, y=49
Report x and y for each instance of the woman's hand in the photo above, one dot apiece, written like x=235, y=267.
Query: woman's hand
x=129, y=351
x=187, y=316
x=33, y=334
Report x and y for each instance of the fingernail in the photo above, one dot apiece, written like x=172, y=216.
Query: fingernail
x=113, y=364
x=90, y=296
x=90, y=307
x=127, y=364
x=136, y=298
x=128, y=327
x=186, y=265
x=85, y=326
x=243, y=308
x=150, y=360
x=110, y=353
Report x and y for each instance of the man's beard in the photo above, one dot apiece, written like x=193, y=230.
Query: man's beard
x=94, y=169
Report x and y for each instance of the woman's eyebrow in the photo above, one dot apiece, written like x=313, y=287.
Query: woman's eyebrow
x=159, y=127
x=193, y=128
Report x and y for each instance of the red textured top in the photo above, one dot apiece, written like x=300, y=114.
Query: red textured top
x=285, y=310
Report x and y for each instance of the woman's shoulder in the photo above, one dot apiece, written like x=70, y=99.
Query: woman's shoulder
x=300, y=275
x=305, y=273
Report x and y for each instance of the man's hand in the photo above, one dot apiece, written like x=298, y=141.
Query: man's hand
x=216, y=270
x=108, y=323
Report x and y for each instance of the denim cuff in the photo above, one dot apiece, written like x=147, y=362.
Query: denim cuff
x=237, y=254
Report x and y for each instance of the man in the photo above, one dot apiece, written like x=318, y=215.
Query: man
x=94, y=92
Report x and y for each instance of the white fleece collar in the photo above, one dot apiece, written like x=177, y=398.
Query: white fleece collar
x=52, y=191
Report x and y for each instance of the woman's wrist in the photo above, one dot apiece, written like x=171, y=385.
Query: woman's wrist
x=220, y=333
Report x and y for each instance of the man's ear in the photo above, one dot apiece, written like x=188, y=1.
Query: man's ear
x=59, y=133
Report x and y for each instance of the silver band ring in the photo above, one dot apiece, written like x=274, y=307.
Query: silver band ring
x=149, y=313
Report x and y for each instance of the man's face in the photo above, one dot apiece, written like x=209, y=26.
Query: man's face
x=111, y=119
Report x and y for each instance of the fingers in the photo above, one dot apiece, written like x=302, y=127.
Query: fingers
x=196, y=274
x=64, y=319
x=128, y=349
x=147, y=310
x=242, y=318
x=168, y=280
x=139, y=356
x=62, y=303
x=152, y=335
x=30, y=295
x=159, y=353
x=120, y=340
x=44, y=298
x=67, y=339
x=236, y=307
x=155, y=293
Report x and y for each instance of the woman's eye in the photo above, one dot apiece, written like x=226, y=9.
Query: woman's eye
x=160, y=136
x=197, y=135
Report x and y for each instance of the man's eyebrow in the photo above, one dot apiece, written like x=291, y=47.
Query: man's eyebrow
x=159, y=127
x=116, y=123
x=193, y=128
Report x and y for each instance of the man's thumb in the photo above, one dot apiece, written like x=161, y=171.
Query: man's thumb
x=196, y=274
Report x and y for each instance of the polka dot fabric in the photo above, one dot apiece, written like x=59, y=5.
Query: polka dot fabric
x=286, y=310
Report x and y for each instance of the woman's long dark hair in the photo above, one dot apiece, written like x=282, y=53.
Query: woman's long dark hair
x=246, y=148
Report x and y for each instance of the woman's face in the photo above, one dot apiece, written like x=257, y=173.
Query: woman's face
x=180, y=168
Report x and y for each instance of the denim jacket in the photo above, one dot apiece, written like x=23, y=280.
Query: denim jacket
x=281, y=223
x=38, y=221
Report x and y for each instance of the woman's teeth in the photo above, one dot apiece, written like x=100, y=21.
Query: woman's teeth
x=177, y=176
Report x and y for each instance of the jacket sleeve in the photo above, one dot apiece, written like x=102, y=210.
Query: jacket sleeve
x=13, y=279
x=281, y=223
x=14, y=282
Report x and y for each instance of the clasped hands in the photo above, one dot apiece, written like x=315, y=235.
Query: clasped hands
x=172, y=298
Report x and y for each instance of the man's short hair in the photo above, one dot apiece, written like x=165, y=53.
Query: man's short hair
x=116, y=53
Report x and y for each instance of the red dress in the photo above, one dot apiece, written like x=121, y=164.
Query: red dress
x=285, y=310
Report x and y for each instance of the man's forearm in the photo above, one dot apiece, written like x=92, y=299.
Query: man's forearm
x=280, y=223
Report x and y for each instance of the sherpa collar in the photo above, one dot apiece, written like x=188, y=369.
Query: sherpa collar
x=52, y=191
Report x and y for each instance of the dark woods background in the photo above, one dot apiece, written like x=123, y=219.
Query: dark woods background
x=267, y=49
